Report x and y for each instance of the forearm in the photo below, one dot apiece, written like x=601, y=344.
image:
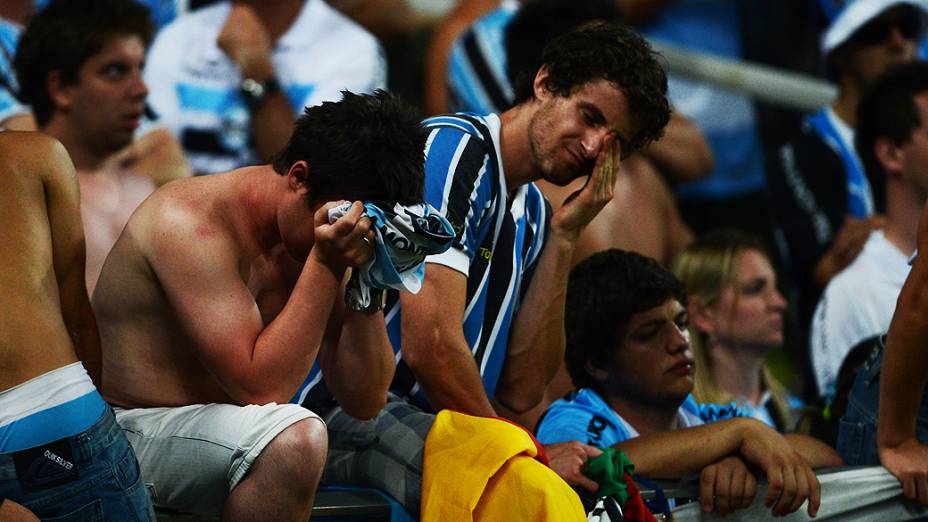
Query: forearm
x=450, y=378
x=286, y=348
x=536, y=345
x=815, y=452
x=904, y=371
x=272, y=120
x=363, y=349
x=683, y=153
x=271, y=124
x=676, y=453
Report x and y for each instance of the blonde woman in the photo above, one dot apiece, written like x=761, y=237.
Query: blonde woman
x=736, y=319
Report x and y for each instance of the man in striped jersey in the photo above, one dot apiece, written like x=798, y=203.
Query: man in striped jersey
x=487, y=327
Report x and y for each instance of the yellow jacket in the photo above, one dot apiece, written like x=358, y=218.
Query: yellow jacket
x=479, y=468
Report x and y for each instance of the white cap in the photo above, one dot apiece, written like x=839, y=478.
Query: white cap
x=857, y=13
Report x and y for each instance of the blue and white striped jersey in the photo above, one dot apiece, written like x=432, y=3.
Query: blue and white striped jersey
x=498, y=242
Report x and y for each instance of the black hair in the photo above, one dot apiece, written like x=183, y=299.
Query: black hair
x=888, y=110
x=603, y=292
x=364, y=147
x=63, y=36
x=616, y=54
x=537, y=22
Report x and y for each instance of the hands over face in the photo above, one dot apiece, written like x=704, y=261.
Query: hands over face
x=790, y=479
x=346, y=242
x=568, y=460
x=908, y=462
x=726, y=486
x=583, y=205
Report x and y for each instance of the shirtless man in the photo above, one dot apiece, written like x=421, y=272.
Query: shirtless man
x=53, y=422
x=79, y=65
x=215, y=301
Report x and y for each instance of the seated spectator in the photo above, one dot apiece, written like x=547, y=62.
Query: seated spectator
x=628, y=352
x=822, y=199
x=736, y=319
x=223, y=290
x=642, y=216
x=61, y=452
x=859, y=302
x=79, y=65
x=230, y=78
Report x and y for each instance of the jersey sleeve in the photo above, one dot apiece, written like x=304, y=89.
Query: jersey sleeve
x=459, y=183
x=564, y=422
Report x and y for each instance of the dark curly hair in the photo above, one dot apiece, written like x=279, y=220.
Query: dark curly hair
x=364, y=147
x=64, y=35
x=603, y=292
x=888, y=110
x=614, y=53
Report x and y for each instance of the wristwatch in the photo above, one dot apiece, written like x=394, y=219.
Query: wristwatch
x=254, y=91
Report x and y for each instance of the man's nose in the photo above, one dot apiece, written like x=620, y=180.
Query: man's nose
x=592, y=142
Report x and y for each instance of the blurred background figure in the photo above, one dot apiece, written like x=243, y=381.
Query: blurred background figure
x=228, y=79
x=79, y=66
x=858, y=303
x=736, y=319
x=824, y=204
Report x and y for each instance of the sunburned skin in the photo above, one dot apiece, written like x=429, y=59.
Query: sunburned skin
x=45, y=315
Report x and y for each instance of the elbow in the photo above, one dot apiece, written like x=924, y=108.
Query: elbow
x=422, y=354
x=259, y=399
x=260, y=395
x=704, y=165
x=365, y=409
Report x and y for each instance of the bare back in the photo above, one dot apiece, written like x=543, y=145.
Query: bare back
x=152, y=354
x=45, y=316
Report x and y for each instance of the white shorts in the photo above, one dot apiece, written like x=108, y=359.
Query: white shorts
x=191, y=457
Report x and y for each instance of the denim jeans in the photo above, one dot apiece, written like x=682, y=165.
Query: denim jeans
x=857, y=429
x=90, y=476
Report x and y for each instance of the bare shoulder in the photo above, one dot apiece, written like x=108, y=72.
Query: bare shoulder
x=34, y=155
x=183, y=218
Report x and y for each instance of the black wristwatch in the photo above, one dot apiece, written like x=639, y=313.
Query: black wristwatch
x=254, y=92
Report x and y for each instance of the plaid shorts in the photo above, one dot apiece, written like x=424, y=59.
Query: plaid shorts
x=384, y=452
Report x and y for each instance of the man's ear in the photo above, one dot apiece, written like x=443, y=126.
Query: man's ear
x=540, y=84
x=596, y=372
x=59, y=91
x=890, y=155
x=297, y=177
x=702, y=317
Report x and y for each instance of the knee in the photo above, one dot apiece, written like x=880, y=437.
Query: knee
x=304, y=443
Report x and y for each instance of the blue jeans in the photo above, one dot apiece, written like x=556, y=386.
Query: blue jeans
x=90, y=476
x=857, y=429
